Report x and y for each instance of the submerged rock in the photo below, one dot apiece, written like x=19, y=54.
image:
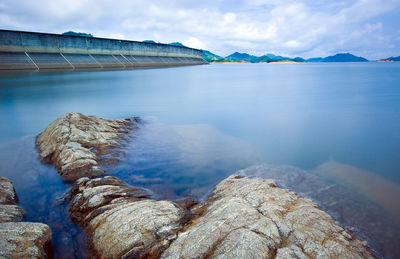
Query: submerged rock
x=77, y=144
x=121, y=221
x=19, y=239
x=252, y=218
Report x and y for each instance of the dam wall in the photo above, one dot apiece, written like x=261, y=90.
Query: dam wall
x=37, y=51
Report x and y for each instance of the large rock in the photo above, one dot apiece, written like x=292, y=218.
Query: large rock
x=243, y=218
x=121, y=221
x=252, y=218
x=20, y=239
x=77, y=144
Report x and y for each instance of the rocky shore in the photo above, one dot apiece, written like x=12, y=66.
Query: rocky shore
x=242, y=218
x=78, y=145
x=20, y=239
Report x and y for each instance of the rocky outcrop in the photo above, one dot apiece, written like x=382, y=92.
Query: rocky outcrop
x=252, y=218
x=19, y=239
x=78, y=145
x=121, y=221
x=243, y=218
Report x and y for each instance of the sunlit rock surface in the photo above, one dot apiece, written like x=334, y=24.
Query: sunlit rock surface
x=19, y=239
x=349, y=206
x=252, y=218
x=77, y=144
x=121, y=221
x=243, y=218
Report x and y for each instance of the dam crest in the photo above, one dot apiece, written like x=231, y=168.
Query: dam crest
x=21, y=50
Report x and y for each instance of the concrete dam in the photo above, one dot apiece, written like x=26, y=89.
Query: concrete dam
x=41, y=51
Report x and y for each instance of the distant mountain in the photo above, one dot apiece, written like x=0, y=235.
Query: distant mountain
x=241, y=57
x=176, y=44
x=340, y=57
x=82, y=34
x=149, y=41
x=319, y=59
x=393, y=58
x=211, y=57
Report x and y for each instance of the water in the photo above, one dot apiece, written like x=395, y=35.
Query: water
x=340, y=121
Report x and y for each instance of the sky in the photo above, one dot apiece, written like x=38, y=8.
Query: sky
x=305, y=28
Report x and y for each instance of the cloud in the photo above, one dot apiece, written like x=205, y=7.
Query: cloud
x=194, y=43
x=286, y=27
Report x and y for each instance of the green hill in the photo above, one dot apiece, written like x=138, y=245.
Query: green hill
x=211, y=57
x=241, y=57
x=81, y=34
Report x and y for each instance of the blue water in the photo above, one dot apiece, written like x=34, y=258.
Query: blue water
x=203, y=123
x=298, y=114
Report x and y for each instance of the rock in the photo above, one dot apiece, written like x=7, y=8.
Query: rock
x=77, y=144
x=24, y=240
x=252, y=218
x=10, y=213
x=19, y=239
x=9, y=210
x=121, y=221
x=7, y=192
x=344, y=203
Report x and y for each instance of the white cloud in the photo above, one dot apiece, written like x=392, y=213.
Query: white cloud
x=194, y=43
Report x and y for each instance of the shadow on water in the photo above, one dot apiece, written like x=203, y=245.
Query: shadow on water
x=189, y=160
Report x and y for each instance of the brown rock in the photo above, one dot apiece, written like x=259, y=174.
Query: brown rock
x=77, y=144
x=10, y=213
x=121, y=221
x=7, y=192
x=24, y=240
x=252, y=218
x=19, y=239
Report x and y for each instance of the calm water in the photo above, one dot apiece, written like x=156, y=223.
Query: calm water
x=338, y=121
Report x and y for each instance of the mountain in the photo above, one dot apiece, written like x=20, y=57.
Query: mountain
x=344, y=57
x=82, y=34
x=393, y=58
x=211, y=57
x=149, y=41
x=176, y=44
x=241, y=57
x=319, y=59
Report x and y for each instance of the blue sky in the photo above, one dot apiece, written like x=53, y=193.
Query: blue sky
x=368, y=28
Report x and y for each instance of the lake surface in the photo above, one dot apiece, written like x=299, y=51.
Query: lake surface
x=337, y=121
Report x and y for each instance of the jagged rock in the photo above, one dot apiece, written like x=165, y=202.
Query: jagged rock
x=252, y=218
x=121, y=221
x=24, y=240
x=77, y=144
x=19, y=239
